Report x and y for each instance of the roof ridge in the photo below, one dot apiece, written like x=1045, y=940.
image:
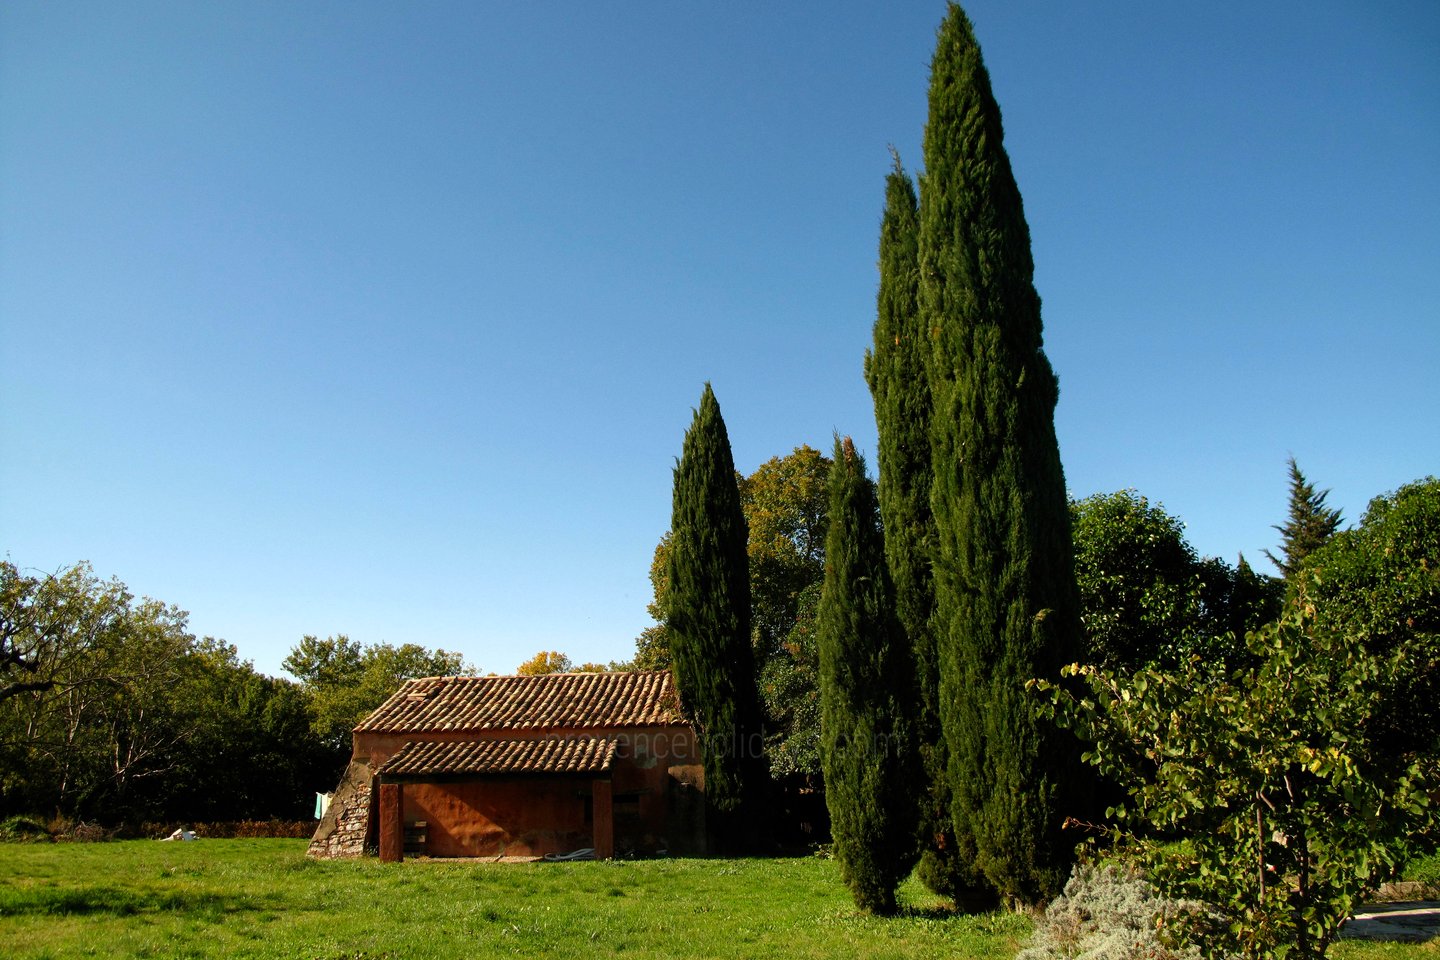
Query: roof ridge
x=546, y=701
x=542, y=676
x=570, y=754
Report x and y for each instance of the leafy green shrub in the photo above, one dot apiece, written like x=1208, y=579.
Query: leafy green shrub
x=1290, y=811
x=1110, y=912
x=1424, y=870
x=22, y=829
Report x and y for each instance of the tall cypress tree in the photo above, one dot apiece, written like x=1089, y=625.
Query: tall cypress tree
x=708, y=615
x=1310, y=526
x=895, y=371
x=1006, y=602
x=867, y=696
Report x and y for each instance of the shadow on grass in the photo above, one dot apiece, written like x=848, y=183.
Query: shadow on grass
x=996, y=921
x=1413, y=922
x=86, y=901
x=937, y=912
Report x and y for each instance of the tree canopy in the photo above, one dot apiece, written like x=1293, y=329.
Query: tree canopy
x=1310, y=524
x=1279, y=779
x=1146, y=597
x=346, y=681
x=546, y=661
x=553, y=661
x=1380, y=584
x=784, y=502
x=124, y=715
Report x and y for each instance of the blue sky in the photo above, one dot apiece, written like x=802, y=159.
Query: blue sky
x=388, y=319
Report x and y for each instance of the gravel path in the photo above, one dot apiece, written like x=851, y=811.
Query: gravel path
x=1416, y=922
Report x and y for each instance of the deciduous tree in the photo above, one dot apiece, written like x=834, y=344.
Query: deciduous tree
x=1380, y=584
x=1257, y=785
x=28, y=638
x=129, y=715
x=346, y=681
x=546, y=661
x=249, y=751
x=99, y=721
x=790, y=690
x=553, y=661
x=784, y=502
x=1146, y=598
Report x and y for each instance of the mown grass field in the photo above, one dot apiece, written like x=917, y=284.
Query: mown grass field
x=262, y=898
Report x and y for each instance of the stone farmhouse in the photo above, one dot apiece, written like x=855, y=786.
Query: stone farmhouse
x=494, y=767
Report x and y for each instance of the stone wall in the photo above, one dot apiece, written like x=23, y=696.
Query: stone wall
x=343, y=829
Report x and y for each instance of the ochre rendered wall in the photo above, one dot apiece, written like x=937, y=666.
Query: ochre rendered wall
x=656, y=799
x=492, y=818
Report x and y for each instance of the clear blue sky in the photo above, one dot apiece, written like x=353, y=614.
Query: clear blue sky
x=388, y=318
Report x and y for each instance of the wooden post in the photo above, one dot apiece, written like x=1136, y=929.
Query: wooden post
x=392, y=824
x=602, y=811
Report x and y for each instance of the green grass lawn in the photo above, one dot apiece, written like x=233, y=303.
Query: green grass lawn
x=262, y=898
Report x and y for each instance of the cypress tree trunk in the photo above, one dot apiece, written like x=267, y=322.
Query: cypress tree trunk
x=1006, y=603
x=895, y=370
x=867, y=696
x=708, y=616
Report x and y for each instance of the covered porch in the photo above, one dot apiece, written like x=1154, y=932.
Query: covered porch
x=498, y=798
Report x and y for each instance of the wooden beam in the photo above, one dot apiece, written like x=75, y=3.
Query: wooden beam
x=602, y=812
x=392, y=823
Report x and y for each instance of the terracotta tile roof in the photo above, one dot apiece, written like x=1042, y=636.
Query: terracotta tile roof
x=575, y=755
x=559, y=701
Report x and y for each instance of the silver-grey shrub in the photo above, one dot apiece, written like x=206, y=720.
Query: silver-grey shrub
x=1110, y=912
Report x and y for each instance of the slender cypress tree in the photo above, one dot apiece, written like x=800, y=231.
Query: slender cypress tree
x=895, y=371
x=867, y=696
x=1006, y=602
x=708, y=615
x=1311, y=523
